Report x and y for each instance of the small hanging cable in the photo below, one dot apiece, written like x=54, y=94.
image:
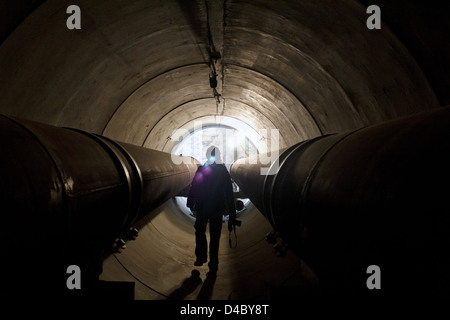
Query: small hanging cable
x=213, y=85
x=214, y=55
x=213, y=80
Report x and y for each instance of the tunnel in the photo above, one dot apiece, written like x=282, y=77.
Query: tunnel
x=251, y=76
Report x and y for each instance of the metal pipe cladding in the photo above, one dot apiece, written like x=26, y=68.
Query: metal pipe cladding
x=66, y=194
x=376, y=196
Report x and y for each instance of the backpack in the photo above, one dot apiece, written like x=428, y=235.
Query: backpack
x=205, y=186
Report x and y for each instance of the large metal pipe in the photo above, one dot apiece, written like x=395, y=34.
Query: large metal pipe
x=373, y=196
x=66, y=194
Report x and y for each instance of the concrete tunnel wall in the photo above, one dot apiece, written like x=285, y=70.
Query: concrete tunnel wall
x=138, y=70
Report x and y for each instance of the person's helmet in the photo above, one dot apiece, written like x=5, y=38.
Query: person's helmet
x=213, y=155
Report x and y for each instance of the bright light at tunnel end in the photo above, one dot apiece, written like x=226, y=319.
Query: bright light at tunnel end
x=267, y=145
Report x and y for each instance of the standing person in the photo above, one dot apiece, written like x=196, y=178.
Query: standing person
x=211, y=197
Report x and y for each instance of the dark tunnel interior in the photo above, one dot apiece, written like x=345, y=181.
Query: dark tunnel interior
x=139, y=72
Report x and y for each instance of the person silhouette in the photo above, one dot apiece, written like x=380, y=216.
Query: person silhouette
x=211, y=197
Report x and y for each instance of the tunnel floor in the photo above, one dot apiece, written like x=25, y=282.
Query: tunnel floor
x=161, y=262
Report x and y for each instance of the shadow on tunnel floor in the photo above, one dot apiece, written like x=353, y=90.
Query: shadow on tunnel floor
x=207, y=288
x=189, y=285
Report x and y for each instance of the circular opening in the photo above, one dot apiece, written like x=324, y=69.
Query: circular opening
x=232, y=143
x=180, y=202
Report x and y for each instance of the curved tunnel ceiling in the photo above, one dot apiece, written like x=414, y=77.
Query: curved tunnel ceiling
x=308, y=67
x=138, y=70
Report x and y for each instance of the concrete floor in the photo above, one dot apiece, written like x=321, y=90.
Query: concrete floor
x=162, y=257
